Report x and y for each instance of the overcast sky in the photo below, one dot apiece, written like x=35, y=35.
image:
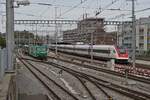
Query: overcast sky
x=65, y=9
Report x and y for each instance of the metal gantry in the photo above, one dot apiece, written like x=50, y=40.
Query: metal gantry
x=46, y=22
x=65, y=22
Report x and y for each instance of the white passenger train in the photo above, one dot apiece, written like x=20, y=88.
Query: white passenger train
x=99, y=51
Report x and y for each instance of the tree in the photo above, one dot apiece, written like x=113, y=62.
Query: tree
x=23, y=37
x=2, y=42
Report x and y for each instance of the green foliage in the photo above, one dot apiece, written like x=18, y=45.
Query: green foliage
x=22, y=37
x=2, y=42
x=23, y=34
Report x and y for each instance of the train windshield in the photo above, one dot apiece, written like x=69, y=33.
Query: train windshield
x=122, y=51
x=41, y=49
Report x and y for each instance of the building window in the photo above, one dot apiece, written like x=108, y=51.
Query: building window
x=148, y=30
x=130, y=31
x=141, y=45
x=148, y=41
x=141, y=37
x=148, y=46
x=141, y=30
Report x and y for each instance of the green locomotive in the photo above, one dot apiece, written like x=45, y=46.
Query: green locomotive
x=38, y=51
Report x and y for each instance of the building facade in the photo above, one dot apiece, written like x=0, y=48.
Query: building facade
x=23, y=38
x=84, y=31
x=124, y=35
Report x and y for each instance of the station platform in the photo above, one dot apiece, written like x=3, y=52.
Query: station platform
x=143, y=62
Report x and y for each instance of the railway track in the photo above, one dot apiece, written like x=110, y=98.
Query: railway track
x=101, y=69
x=124, y=90
x=81, y=59
x=137, y=95
x=109, y=97
x=104, y=83
x=141, y=70
x=143, y=66
x=51, y=92
x=82, y=81
x=38, y=73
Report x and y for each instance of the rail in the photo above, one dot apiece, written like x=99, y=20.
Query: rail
x=145, y=80
x=46, y=85
x=120, y=89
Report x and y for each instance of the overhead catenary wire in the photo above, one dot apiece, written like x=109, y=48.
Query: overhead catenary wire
x=67, y=6
x=49, y=4
x=107, y=6
x=127, y=14
x=123, y=15
x=73, y=7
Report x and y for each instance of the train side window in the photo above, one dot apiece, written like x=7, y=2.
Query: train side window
x=102, y=51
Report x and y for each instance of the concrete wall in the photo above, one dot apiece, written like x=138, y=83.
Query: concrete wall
x=32, y=97
x=7, y=81
x=2, y=63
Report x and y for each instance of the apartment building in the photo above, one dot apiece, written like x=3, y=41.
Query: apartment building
x=85, y=29
x=124, y=35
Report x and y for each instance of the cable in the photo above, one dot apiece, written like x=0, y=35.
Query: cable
x=102, y=9
x=73, y=7
x=122, y=5
x=122, y=15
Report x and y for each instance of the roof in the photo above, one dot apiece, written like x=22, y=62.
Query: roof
x=93, y=19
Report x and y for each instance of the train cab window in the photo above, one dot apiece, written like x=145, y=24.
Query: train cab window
x=122, y=51
x=43, y=49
